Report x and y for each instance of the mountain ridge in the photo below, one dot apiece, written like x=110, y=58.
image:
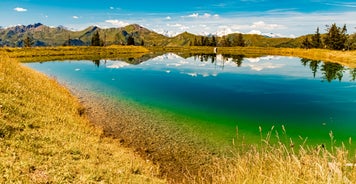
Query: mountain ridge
x=42, y=35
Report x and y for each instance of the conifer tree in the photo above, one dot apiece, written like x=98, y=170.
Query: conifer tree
x=306, y=43
x=336, y=37
x=95, y=40
x=130, y=40
x=213, y=41
x=240, y=40
x=27, y=42
x=316, y=40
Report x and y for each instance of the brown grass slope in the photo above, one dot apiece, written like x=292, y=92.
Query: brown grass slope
x=44, y=137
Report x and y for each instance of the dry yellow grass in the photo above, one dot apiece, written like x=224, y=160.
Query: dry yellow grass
x=282, y=163
x=44, y=137
x=61, y=53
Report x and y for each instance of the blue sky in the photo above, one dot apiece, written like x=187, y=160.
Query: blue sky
x=278, y=17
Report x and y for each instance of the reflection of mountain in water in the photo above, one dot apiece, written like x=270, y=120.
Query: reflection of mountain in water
x=329, y=71
x=131, y=60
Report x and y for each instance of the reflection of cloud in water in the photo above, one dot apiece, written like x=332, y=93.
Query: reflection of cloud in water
x=256, y=60
x=192, y=67
x=262, y=66
x=253, y=60
x=116, y=64
x=193, y=74
x=180, y=63
x=261, y=63
x=203, y=74
x=165, y=57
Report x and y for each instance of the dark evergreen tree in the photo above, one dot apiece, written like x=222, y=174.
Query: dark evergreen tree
x=27, y=42
x=336, y=37
x=240, y=40
x=95, y=40
x=203, y=41
x=195, y=43
x=306, y=43
x=213, y=41
x=352, y=42
x=225, y=41
x=130, y=40
x=316, y=40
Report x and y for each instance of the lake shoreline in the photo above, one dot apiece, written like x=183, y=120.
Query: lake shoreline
x=166, y=146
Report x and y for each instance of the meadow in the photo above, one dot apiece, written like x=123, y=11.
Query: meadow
x=46, y=135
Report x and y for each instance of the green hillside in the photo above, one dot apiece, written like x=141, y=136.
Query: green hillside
x=42, y=35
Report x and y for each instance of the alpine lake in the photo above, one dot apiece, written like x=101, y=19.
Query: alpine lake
x=227, y=98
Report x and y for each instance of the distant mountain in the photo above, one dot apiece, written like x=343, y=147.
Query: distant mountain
x=42, y=35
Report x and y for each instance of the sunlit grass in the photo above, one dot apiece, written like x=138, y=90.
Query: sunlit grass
x=45, y=137
x=38, y=54
x=282, y=162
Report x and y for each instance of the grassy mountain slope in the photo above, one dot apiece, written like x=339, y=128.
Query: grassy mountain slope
x=42, y=35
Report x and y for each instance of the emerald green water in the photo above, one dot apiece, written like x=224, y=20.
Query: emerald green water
x=214, y=95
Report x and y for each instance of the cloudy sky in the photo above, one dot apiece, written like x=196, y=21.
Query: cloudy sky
x=280, y=17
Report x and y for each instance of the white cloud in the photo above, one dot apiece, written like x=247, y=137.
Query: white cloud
x=75, y=17
x=118, y=23
x=179, y=26
x=174, y=25
x=206, y=15
x=345, y=4
x=194, y=15
x=255, y=32
x=111, y=8
x=197, y=15
x=168, y=18
x=19, y=9
x=263, y=25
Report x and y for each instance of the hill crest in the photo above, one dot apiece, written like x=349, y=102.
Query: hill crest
x=42, y=35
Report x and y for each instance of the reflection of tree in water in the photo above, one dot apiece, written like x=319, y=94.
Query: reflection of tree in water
x=235, y=58
x=313, y=64
x=330, y=71
x=96, y=62
x=225, y=57
x=353, y=74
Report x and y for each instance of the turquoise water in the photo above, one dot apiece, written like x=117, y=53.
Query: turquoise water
x=214, y=95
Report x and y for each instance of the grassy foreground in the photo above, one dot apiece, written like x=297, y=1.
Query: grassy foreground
x=44, y=137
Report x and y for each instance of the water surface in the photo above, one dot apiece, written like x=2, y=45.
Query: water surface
x=215, y=94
